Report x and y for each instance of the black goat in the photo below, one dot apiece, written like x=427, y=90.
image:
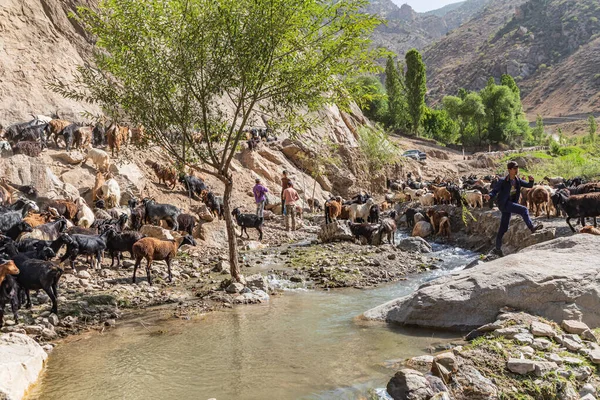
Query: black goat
x=17, y=229
x=389, y=227
x=368, y=231
x=214, y=204
x=89, y=245
x=27, y=245
x=578, y=206
x=99, y=134
x=38, y=274
x=35, y=133
x=248, y=221
x=187, y=223
x=360, y=198
x=68, y=135
x=11, y=218
x=117, y=243
x=156, y=212
x=410, y=216
x=117, y=224
x=194, y=186
x=9, y=293
x=374, y=214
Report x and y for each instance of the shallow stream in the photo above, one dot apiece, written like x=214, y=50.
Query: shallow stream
x=301, y=345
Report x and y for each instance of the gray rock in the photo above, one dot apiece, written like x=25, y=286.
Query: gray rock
x=573, y=326
x=49, y=334
x=588, y=388
x=520, y=366
x=582, y=373
x=222, y=267
x=235, y=287
x=442, y=396
x=572, y=360
x=436, y=384
x=554, y=358
x=409, y=384
x=53, y=319
x=509, y=332
x=544, y=367
x=469, y=299
x=568, y=392
x=33, y=329
x=335, y=232
x=588, y=397
x=589, y=336
x=524, y=338
x=84, y=274
x=480, y=387
x=21, y=361
x=257, y=281
x=595, y=356
x=571, y=342
x=541, y=344
x=415, y=244
x=421, y=362
x=541, y=329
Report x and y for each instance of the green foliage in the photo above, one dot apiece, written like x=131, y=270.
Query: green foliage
x=504, y=120
x=396, y=91
x=469, y=113
x=581, y=161
x=377, y=148
x=593, y=127
x=539, y=131
x=438, y=125
x=416, y=87
x=370, y=95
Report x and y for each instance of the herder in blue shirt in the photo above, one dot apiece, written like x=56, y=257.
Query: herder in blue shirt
x=508, y=192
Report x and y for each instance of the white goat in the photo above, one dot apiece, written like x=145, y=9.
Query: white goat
x=100, y=158
x=427, y=200
x=111, y=193
x=360, y=210
x=5, y=149
x=85, y=215
x=474, y=198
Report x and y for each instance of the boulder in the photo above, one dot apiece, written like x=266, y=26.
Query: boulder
x=540, y=329
x=575, y=327
x=158, y=232
x=544, y=367
x=335, y=232
x=422, y=229
x=534, y=280
x=409, y=384
x=415, y=244
x=71, y=157
x=520, y=366
x=257, y=281
x=235, y=287
x=204, y=213
x=21, y=362
x=479, y=386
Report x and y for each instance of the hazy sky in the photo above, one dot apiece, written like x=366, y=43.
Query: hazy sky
x=425, y=5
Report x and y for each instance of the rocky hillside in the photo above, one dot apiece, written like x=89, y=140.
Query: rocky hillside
x=406, y=29
x=536, y=41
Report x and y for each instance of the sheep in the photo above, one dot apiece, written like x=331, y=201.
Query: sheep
x=98, y=184
x=100, y=158
x=14, y=132
x=194, y=186
x=39, y=274
x=385, y=206
x=474, y=198
x=444, y=229
x=117, y=243
x=187, y=223
x=157, y=212
x=8, y=289
x=360, y=211
x=41, y=119
x=427, y=200
x=164, y=174
x=368, y=231
x=333, y=209
x=248, y=221
x=360, y=198
x=389, y=227
x=5, y=148
x=160, y=250
x=435, y=217
x=538, y=197
x=83, y=137
x=456, y=196
x=89, y=245
x=578, y=206
x=28, y=148
x=115, y=136
x=112, y=193
x=54, y=128
x=85, y=215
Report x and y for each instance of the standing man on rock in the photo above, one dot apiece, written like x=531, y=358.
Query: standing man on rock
x=508, y=192
x=260, y=196
x=284, y=185
x=290, y=197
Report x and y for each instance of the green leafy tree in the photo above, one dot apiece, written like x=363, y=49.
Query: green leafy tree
x=396, y=94
x=185, y=66
x=370, y=95
x=539, y=130
x=416, y=87
x=593, y=127
x=438, y=125
x=377, y=148
x=469, y=114
x=500, y=104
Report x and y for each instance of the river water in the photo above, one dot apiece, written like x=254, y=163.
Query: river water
x=301, y=345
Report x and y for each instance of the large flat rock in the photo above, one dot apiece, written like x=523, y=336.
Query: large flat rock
x=558, y=280
x=21, y=362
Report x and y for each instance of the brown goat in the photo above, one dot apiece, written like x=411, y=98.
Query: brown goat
x=83, y=137
x=55, y=127
x=115, y=136
x=100, y=179
x=164, y=174
x=435, y=217
x=333, y=209
x=589, y=229
x=29, y=148
x=137, y=135
x=6, y=192
x=35, y=219
x=538, y=199
x=441, y=195
x=444, y=227
x=152, y=249
x=66, y=208
x=8, y=268
x=524, y=200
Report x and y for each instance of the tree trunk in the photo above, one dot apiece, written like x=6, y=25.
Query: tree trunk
x=312, y=207
x=231, y=236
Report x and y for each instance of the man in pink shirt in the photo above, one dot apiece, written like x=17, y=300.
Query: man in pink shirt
x=290, y=196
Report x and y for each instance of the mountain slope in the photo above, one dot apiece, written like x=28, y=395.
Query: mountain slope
x=528, y=40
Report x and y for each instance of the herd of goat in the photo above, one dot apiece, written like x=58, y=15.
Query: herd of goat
x=35, y=229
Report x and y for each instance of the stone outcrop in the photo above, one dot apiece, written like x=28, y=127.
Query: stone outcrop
x=335, y=232
x=415, y=244
x=556, y=280
x=21, y=362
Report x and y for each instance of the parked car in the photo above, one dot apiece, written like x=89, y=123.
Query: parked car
x=415, y=155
